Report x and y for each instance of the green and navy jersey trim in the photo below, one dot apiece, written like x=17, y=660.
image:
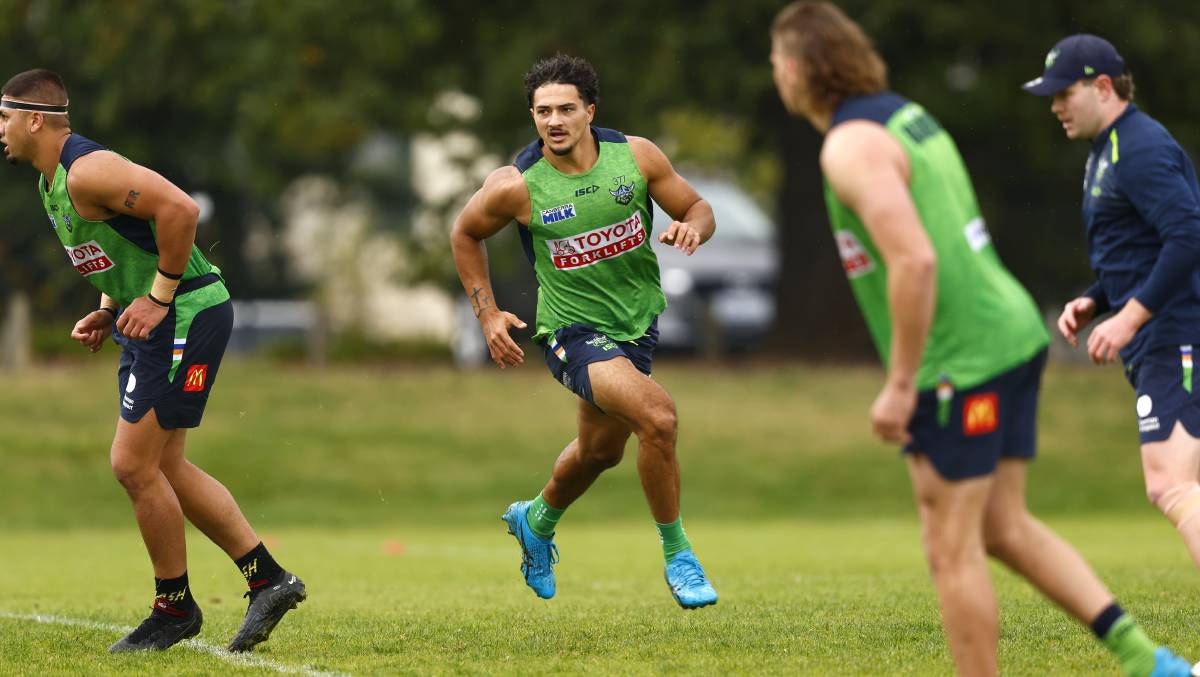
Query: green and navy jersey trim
x=133, y=229
x=530, y=155
x=874, y=107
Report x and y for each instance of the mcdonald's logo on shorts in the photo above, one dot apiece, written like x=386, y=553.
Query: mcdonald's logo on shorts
x=981, y=414
x=197, y=375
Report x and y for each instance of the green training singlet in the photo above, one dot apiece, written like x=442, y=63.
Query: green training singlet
x=588, y=240
x=118, y=256
x=984, y=322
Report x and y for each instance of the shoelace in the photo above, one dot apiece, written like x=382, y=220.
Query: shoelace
x=690, y=574
x=531, y=563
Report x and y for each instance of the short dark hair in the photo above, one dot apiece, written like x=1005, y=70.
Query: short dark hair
x=1122, y=85
x=566, y=70
x=39, y=85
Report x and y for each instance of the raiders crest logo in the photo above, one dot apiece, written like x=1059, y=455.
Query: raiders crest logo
x=623, y=194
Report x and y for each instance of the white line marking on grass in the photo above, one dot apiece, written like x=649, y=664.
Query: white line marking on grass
x=239, y=659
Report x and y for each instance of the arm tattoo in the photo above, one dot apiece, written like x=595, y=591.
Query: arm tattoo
x=479, y=303
x=131, y=198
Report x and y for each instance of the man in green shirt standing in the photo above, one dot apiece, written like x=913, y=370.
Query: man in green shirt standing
x=963, y=342
x=131, y=234
x=581, y=198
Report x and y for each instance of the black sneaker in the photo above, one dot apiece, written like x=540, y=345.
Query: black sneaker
x=268, y=604
x=163, y=628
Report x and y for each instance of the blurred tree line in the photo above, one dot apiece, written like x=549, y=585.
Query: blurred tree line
x=239, y=99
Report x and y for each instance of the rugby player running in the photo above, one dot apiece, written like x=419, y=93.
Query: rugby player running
x=962, y=340
x=131, y=233
x=581, y=198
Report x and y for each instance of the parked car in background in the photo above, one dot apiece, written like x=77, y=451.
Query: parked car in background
x=720, y=300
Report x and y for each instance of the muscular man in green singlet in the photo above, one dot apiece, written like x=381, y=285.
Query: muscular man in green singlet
x=963, y=342
x=581, y=198
x=130, y=233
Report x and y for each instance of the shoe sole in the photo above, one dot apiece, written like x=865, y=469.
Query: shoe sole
x=693, y=607
x=270, y=619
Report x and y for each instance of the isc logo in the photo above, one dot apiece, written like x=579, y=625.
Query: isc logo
x=586, y=191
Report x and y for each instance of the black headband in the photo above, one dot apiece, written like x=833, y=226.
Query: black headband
x=29, y=105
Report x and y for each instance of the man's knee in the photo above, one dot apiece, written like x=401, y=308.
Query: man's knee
x=1179, y=501
x=602, y=455
x=947, y=553
x=134, y=474
x=661, y=424
x=1004, y=535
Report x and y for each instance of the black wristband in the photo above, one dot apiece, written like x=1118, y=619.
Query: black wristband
x=160, y=303
x=111, y=310
x=169, y=276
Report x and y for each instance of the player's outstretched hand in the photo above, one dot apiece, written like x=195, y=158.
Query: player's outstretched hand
x=681, y=236
x=140, y=318
x=892, y=411
x=1077, y=314
x=93, y=329
x=496, y=323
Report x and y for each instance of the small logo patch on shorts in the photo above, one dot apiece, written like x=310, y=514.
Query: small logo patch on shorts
x=1145, y=405
x=981, y=414
x=197, y=375
x=601, y=341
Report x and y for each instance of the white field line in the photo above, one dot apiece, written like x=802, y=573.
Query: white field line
x=240, y=659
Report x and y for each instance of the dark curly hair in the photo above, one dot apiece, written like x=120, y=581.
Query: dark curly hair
x=566, y=70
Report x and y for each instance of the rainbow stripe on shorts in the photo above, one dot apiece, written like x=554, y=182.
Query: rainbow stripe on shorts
x=558, y=350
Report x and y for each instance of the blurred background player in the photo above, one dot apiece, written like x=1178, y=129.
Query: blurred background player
x=962, y=341
x=1141, y=211
x=131, y=233
x=581, y=197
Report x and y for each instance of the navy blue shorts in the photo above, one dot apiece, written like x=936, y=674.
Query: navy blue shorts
x=571, y=349
x=173, y=370
x=1163, y=381
x=966, y=433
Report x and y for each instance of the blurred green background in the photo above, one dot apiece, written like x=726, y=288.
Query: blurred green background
x=276, y=111
x=354, y=446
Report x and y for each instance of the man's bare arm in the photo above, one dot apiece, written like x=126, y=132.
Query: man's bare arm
x=502, y=199
x=104, y=184
x=868, y=171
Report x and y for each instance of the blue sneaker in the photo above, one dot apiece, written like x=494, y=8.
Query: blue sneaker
x=688, y=584
x=538, y=556
x=1167, y=664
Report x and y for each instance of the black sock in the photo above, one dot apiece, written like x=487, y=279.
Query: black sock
x=258, y=566
x=1105, y=620
x=174, y=596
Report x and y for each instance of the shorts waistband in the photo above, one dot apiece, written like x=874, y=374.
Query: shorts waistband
x=197, y=283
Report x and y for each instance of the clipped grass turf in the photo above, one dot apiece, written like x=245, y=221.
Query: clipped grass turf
x=383, y=487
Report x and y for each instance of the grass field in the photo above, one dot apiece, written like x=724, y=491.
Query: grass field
x=382, y=487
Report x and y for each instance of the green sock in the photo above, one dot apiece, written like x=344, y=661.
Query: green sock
x=674, y=540
x=1132, y=647
x=543, y=517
